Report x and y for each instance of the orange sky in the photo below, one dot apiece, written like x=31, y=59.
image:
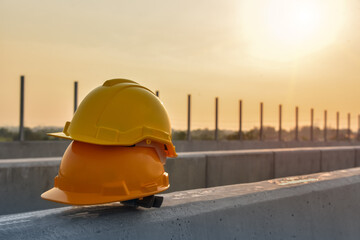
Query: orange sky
x=297, y=53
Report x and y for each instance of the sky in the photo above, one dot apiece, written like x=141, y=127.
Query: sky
x=295, y=53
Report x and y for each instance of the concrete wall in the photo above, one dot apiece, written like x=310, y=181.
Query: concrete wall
x=36, y=149
x=239, y=167
x=318, y=206
x=340, y=159
x=188, y=171
x=23, y=180
x=298, y=162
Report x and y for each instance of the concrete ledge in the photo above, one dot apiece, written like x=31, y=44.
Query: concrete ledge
x=317, y=206
x=23, y=180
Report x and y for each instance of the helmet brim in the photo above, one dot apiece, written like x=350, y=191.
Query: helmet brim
x=60, y=135
x=73, y=198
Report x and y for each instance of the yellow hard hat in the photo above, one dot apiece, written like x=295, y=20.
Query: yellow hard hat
x=120, y=112
x=95, y=174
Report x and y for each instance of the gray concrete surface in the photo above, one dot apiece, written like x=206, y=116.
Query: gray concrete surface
x=297, y=162
x=317, y=206
x=338, y=159
x=357, y=156
x=36, y=149
x=239, y=167
x=23, y=180
x=186, y=172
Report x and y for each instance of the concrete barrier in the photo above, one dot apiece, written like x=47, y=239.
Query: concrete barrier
x=239, y=167
x=188, y=171
x=37, y=149
x=23, y=180
x=338, y=159
x=297, y=162
x=357, y=157
x=317, y=206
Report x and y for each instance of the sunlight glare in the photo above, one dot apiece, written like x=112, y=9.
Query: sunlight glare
x=282, y=30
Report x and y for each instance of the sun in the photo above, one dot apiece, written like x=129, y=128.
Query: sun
x=286, y=29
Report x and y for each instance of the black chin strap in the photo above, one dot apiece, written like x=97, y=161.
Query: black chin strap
x=146, y=202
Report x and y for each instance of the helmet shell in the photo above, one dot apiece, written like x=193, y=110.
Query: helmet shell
x=120, y=112
x=95, y=174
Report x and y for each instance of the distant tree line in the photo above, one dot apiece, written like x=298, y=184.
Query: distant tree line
x=37, y=133
x=269, y=134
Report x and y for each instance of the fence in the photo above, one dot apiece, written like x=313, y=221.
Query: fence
x=280, y=131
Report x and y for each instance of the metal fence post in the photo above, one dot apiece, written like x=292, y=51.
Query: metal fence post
x=358, y=130
x=188, y=119
x=240, y=120
x=280, y=116
x=325, y=126
x=75, y=95
x=312, y=125
x=22, y=93
x=261, y=121
x=337, y=125
x=349, y=127
x=216, y=117
x=297, y=123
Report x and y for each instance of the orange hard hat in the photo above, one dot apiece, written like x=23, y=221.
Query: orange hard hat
x=95, y=174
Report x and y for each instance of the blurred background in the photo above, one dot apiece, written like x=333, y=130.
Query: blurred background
x=294, y=53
